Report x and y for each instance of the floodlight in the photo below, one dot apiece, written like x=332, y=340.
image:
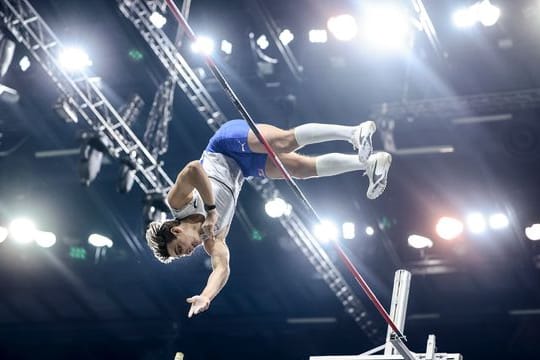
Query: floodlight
x=318, y=36
x=286, y=36
x=343, y=27
x=385, y=27
x=3, y=234
x=498, y=221
x=203, y=45
x=24, y=63
x=99, y=241
x=73, y=59
x=326, y=231
x=277, y=207
x=370, y=231
x=488, y=14
x=226, y=47
x=22, y=230
x=419, y=242
x=464, y=18
x=158, y=20
x=348, y=230
x=476, y=223
x=45, y=239
x=449, y=228
x=533, y=232
x=262, y=42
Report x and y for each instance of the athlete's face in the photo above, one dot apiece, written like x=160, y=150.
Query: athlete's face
x=185, y=241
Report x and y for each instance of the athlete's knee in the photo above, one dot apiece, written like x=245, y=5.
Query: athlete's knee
x=285, y=142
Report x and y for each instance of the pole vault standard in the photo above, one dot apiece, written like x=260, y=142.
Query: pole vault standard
x=275, y=159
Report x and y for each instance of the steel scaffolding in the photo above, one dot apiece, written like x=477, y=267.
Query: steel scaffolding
x=138, y=12
x=30, y=29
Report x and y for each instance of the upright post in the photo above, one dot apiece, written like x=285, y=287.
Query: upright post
x=398, y=307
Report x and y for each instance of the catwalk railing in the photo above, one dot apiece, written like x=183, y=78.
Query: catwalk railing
x=138, y=12
x=27, y=26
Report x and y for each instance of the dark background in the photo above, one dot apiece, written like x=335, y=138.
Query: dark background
x=124, y=304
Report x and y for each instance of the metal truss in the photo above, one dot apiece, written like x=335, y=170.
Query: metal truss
x=452, y=107
x=30, y=29
x=138, y=12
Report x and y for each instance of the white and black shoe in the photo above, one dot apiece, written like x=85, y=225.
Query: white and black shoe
x=377, y=167
x=361, y=139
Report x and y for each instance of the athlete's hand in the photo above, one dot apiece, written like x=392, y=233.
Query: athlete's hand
x=199, y=303
x=209, y=225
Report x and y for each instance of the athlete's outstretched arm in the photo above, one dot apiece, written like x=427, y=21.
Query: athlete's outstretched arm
x=191, y=177
x=219, y=253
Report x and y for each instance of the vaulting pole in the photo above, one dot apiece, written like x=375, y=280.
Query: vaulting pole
x=277, y=162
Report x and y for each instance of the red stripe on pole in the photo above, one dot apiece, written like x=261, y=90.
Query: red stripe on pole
x=275, y=159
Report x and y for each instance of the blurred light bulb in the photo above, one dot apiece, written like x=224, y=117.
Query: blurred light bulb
x=419, y=242
x=449, y=228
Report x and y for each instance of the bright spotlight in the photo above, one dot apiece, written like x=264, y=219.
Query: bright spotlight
x=45, y=239
x=24, y=63
x=533, y=232
x=3, y=234
x=488, y=14
x=498, y=221
x=158, y=20
x=484, y=12
x=203, y=45
x=326, y=231
x=370, y=231
x=419, y=242
x=449, y=228
x=262, y=42
x=99, y=241
x=476, y=223
x=277, y=207
x=72, y=59
x=464, y=18
x=386, y=27
x=343, y=27
x=348, y=230
x=22, y=230
x=226, y=47
x=318, y=36
x=286, y=37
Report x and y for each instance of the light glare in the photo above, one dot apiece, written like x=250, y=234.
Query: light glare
x=99, y=241
x=277, y=207
x=464, y=18
x=370, y=231
x=533, y=232
x=72, y=59
x=318, y=36
x=385, y=27
x=419, y=242
x=262, y=42
x=488, y=14
x=449, y=228
x=476, y=223
x=3, y=234
x=498, y=221
x=326, y=231
x=286, y=37
x=203, y=45
x=226, y=47
x=343, y=27
x=158, y=20
x=24, y=63
x=349, y=231
x=22, y=230
x=45, y=239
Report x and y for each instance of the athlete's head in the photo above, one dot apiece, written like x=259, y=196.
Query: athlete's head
x=172, y=239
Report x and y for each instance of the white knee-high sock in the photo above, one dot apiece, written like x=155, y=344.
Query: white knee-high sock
x=313, y=133
x=334, y=164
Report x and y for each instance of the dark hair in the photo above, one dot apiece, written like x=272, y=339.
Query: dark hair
x=158, y=235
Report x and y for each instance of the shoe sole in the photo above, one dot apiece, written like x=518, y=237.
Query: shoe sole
x=388, y=162
x=372, y=127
